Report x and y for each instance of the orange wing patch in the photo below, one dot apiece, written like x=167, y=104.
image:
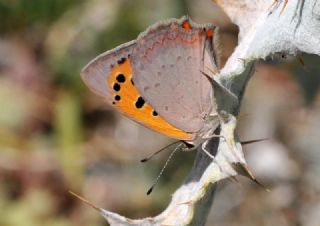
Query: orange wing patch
x=210, y=33
x=186, y=25
x=129, y=101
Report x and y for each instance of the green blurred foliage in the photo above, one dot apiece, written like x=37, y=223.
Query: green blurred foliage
x=17, y=15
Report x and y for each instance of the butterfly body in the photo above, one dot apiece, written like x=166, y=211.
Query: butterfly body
x=157, y=79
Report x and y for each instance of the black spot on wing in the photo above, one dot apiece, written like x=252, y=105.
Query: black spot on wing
x=122, y=60
x=121, y=78
x=140, y=102
x=116, y=87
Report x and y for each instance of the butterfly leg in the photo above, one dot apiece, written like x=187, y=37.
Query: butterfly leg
x=207, y=137
x=203, y=147
x=214, y=114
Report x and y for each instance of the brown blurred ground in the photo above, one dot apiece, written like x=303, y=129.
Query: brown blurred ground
x=55, y=135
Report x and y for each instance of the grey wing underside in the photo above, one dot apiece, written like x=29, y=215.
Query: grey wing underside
x=167, y=65
x=95, y=73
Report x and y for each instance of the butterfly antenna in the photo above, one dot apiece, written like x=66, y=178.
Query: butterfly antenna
x=163, y=168
x=157, y=152
x=253, y=141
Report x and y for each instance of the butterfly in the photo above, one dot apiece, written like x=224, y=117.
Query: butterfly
x=158, y=79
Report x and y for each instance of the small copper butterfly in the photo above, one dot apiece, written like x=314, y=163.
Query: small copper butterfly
x=157, y=79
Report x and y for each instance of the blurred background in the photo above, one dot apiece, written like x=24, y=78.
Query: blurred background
x=56, y=136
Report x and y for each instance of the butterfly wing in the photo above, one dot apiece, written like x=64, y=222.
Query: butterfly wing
x=110, y=76
x=97, y=71
x=167, y=64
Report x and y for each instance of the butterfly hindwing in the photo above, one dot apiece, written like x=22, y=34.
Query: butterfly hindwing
x=167, y=62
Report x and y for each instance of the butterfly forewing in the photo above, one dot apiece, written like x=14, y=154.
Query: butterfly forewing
x=96, y=72
x=110, y=75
